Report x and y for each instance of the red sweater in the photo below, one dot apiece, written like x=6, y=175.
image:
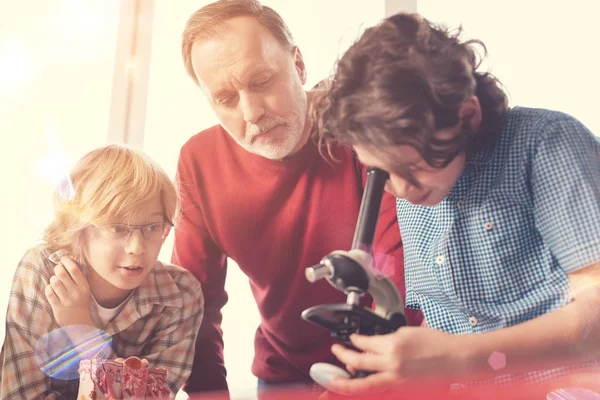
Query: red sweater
x=274, y=218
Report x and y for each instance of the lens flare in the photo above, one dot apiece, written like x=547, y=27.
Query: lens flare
x=59, y=352
x=55, y=164
x=573, y=394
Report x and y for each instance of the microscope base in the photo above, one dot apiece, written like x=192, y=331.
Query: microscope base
x=323, y=373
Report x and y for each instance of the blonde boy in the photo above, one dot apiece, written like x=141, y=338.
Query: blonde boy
x=95, y=285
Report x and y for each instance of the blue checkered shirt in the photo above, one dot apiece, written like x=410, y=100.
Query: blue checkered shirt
x=524, y=214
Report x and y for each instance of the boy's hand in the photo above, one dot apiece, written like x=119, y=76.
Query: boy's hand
x=69, y=294
x=410, y=353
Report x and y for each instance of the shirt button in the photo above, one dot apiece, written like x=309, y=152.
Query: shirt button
x=439, y=260
x=472, y=321
x=488, y=226
x=459, y=203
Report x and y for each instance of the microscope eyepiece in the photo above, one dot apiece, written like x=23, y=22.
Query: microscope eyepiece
x=369, y=209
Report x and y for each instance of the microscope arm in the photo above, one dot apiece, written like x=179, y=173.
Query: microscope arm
x=387, y=298
x=383, y=290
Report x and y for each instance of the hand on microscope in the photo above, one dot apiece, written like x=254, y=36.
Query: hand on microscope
x=410, y=354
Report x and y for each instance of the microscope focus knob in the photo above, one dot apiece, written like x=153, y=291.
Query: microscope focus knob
x=317, y=272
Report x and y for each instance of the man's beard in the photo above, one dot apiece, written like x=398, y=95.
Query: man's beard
x=291, y=131
x=272, y=147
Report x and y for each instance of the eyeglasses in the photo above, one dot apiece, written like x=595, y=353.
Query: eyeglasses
x=153, y=231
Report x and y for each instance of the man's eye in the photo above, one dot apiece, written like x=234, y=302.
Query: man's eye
x=262, y=82
x=227, y=101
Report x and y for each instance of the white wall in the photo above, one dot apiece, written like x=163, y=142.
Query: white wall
x=56, y=69
x=544, y=52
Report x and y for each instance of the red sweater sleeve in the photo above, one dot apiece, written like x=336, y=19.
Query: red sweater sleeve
x=388, y=251
x=195, y=250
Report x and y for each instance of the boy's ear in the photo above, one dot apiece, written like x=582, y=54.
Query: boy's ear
x=470, y=113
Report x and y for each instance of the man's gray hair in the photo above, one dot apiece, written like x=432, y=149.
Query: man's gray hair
x=203, y=24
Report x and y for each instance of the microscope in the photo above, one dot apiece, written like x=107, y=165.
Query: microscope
x=350, y=272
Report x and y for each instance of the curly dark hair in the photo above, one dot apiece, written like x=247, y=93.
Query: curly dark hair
x=404, y=80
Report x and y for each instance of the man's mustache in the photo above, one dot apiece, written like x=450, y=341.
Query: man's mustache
x=262, y=127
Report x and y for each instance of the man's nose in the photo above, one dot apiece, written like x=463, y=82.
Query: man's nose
x=252, y=107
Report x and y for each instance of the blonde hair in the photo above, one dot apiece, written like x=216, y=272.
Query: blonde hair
x=109, y=182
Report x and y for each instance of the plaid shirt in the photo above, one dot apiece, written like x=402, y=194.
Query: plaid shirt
x=523, y=215
x=160, y=322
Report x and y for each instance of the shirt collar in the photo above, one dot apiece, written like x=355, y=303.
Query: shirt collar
x=158, y=288
x=475, y=163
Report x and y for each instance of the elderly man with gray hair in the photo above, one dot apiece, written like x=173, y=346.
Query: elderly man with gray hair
x=257, y=189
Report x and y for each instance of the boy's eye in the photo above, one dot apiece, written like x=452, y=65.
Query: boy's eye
x=154, y=227
x=117, y=229
x=156, y=231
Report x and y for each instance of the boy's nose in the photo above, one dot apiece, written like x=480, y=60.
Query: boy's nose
x=135, y=242
x=400, y=187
